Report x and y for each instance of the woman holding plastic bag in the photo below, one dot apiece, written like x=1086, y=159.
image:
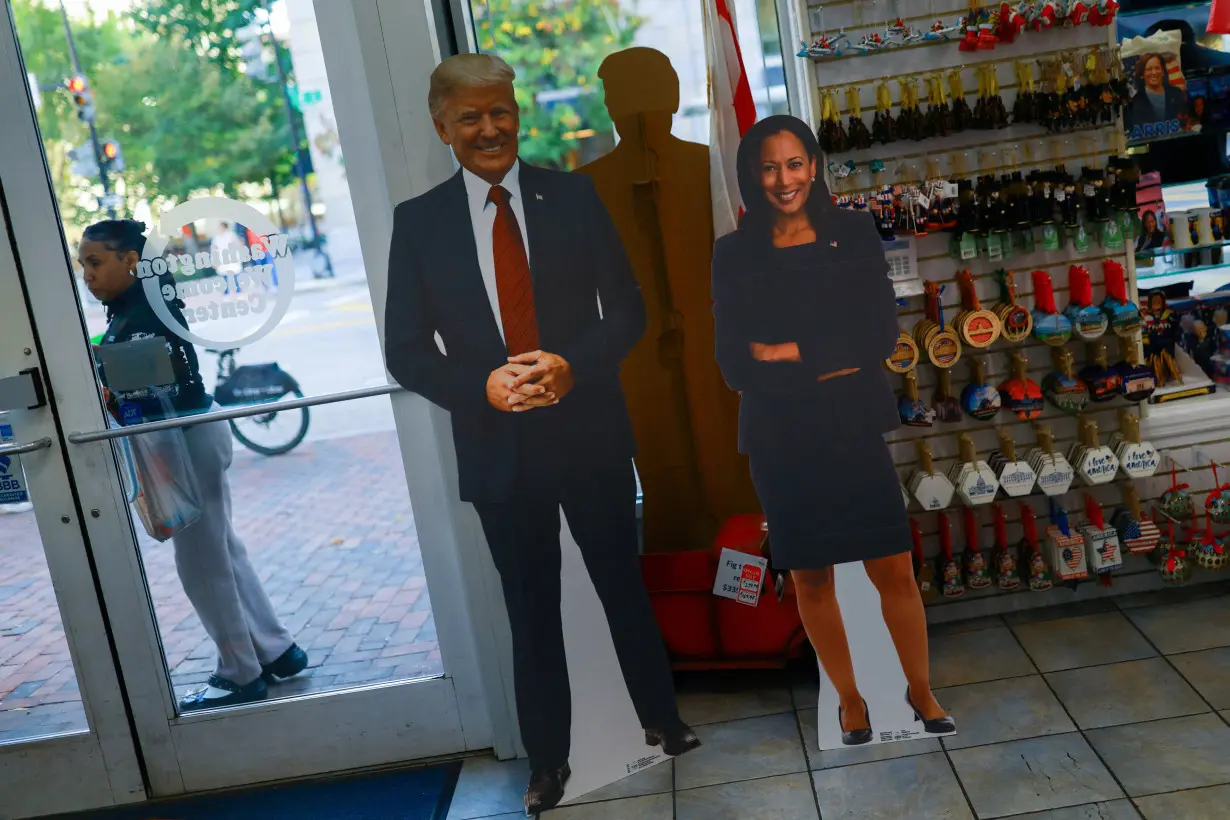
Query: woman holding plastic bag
x=183, y=491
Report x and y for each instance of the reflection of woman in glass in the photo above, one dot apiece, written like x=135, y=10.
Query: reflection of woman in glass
x=1156, y=99
x=1151, y=234
x=1197, y=110
x=805, y=316
x=254, y=649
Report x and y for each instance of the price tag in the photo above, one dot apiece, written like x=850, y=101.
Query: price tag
x=12, y=480
x=949, y=190
x=740, y=576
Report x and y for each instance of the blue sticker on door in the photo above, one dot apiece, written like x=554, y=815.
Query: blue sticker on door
x=12, y=481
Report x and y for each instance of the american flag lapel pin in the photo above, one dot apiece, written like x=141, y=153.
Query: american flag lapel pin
x=538, y=197
x=833, y=244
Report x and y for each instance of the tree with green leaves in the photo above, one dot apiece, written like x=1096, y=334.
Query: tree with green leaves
x=556, y=46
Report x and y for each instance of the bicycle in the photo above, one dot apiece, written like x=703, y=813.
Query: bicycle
x=239, y=385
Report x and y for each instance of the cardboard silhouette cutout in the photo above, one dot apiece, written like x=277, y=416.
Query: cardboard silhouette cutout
x=805, y=316
x=656, y=187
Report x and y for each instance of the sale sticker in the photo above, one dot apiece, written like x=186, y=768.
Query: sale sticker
x=12, y=480
x=740, y=577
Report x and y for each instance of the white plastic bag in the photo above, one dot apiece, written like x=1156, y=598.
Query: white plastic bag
x=168, y=497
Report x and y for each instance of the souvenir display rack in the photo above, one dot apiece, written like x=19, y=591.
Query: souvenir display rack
x=969, y=154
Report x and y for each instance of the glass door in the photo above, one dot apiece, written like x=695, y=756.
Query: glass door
x=195, y=272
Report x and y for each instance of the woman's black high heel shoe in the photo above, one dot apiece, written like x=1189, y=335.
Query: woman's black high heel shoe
x=935, y=726
x=859, y=736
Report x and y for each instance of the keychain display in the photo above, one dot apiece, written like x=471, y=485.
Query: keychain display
x=940, y=344
x=1061, y=387
x=1065, y=546
x=1007, y=575
x=1137, y=459
x=1050, y=326
x=1016, y=322
x=946, y=406
x=1103, y=381
x=1016, y=478
x=904, y=357
x=979, y=399
x=932, y=490
x=1138, y=380
x=924, y=573
x=979, y=328
x=1137, y=535
x=1095, y=463
x=1055, y=473
x=1088, y=321
x=1031, y=557
x=913, y=411
x=946, y=565
x=1101, y=542
x=1020, y=394
x=974, y=560
x=973, y=478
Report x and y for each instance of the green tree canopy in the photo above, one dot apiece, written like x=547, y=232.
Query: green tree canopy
x=556, y=46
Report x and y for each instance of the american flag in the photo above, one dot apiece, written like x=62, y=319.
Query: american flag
x=1073, y=557
x=1145, y=540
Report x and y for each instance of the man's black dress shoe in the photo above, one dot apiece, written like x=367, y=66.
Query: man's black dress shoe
x=219, y=692
x=546, y=789
x=935, y=726
x=856, y=737
x=675, y=741
x=289, y=663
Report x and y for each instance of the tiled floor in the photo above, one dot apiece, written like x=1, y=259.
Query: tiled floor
x=1116, y=710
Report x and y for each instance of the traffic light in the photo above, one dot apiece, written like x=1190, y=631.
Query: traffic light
x=82, y=97
x=112, y=156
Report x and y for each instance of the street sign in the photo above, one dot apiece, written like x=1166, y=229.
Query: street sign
x=84, y=162
x=110, y=201
x=35, y=94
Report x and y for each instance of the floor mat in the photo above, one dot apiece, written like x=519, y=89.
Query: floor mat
x=408, y=794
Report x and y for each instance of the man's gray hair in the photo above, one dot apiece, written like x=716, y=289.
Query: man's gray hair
x=463, y=71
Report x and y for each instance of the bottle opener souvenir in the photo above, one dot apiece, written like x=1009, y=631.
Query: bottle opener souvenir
x=1137, y=459
x=1124, y=314
x=1137, y=535
x=1174, y=568
x=940, y=344
x=1095, y=464
x=1066, y=547
x=1016, y=478
x=1061, y=386
x=977, y=574
x=933, y=490
x=979, y=328
x=1016, y=321
x=913, y=411
x=1055, y=473
x=1177, y=501
x=1210, y=552
x=946, y=565
x=904, y=357
x=1050, y=326
x=1031, y=553
x=974, y=479
x=1102, y=548
x=979, y=399
x=924, y=573
x=1104, y=383
x=1088, y=322
x=1021, y=394
x=947, y=408
x=1007, y=576
x=1138, y=380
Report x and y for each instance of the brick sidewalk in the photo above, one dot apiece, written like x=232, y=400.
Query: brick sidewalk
x=331, y=533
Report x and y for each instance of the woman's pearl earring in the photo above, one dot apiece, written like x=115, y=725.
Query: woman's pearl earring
x=813, y=179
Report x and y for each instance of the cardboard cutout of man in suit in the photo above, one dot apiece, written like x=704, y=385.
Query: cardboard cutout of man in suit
x=521, y=273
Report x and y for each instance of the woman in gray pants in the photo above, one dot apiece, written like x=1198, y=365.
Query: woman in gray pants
x=254, y=648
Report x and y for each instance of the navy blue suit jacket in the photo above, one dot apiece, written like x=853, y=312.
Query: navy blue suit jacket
x=436, y=286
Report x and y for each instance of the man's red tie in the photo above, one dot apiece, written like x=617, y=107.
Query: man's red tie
x=513, y=284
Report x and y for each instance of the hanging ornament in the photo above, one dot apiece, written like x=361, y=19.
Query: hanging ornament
x=962, y=116
x=939, y=342
x=1088, y=322
x=1007, y=576
x=1021, y=394
x=1055, y=473
x=946, y=564
x=1177, y=502
x=1050, y=326
x=974, y=560
x=1061, y=386
x=1103, y=552
x=1065, y=546
x=856, y=131
x=924, y=573
x=1011, y=22
x=979, y=328
x=913, y=411
x=1024, y=109
x=1217, y=502
x=1016, y=478
x=947, y=408
x=1138, y=535
x=1031, y=553
x=1016, y=322
x=1138, y=380
x=831, y=136
x=932, y=490
x=904, y=356
x=1137, y=459
x=1104, y=382
x=1210, y=552
x=1173, y=566
x=979, y=399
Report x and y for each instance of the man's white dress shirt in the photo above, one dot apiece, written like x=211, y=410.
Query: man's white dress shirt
x=482, y=218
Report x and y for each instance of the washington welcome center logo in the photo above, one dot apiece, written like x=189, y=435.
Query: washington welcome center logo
x=263, y=285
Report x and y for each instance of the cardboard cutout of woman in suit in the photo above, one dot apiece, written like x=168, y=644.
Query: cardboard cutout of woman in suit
x=805, y=316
